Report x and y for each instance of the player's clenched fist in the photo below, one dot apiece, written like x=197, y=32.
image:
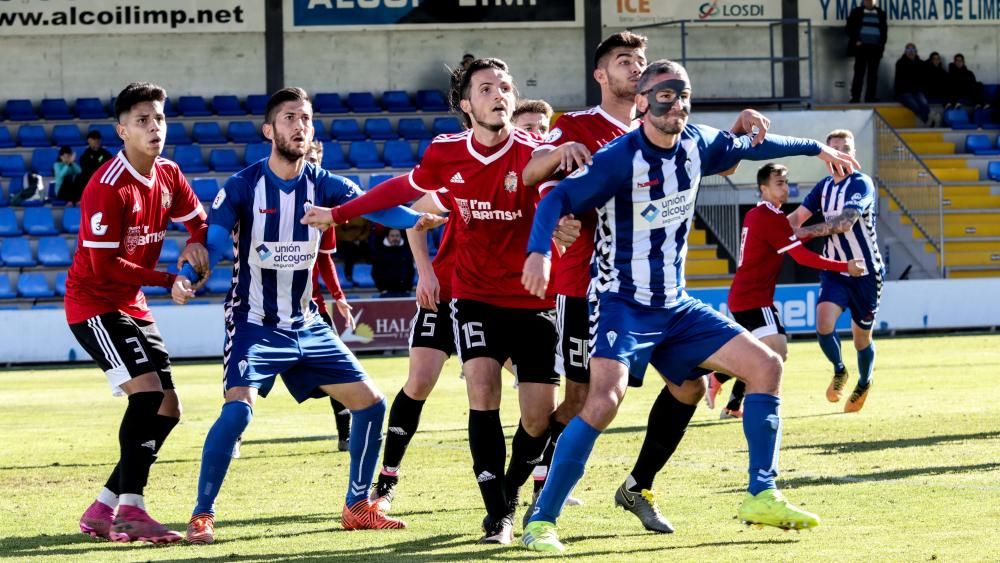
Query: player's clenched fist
x=319, y=217
x=429, y=221
x=183, y=290
x=535, y=276
x=567, y=231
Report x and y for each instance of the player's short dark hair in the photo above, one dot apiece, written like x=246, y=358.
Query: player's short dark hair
x=620, y=39
x=94, y=134
x=461, y=83
x=292, y=94
x=765, y=172
x=136, y=93
x=532, y=106
x=656, y=68
x=65, y=149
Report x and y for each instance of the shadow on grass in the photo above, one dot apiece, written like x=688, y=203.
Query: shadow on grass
x=890, y=475
x=877, y=445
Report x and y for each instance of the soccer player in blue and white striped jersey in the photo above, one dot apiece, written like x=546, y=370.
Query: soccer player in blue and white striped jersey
x=272, y=324
x=847, y=203
x=644, y=185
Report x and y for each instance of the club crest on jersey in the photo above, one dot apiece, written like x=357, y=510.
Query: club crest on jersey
x=510, y=182
x=553, y=135
x=263, y=251
x=166, y=198
x=689, y=168
x=463, y=209
x=243, y=367
x=612, y=336
x=132, y=239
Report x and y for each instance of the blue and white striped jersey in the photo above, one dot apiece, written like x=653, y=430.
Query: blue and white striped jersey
x=830, y=198
x=275, y=253
x=645, y=197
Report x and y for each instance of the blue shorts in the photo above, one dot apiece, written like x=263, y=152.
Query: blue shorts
x=861, y=295
x=675, y=339
x=305, y=359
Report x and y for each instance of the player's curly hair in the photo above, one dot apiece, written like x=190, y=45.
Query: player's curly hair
x=461, y=84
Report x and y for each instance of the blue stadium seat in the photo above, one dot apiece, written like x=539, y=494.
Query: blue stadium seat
x=422, y=148
x=243, y=132
x=413, y=129
x=432, y=100
x=208, y=132
x=110, y=137
x=169, y=109
x=170, y=251
x=958, y=119
x=379, y=128
x=192, y=106
x=205, y=188
x=53, y=251
x=363, y=102
x=20, y=110
x=444, y=125
x=32, y=136
x=16, y=253
x=220, y=280
x=67, y=135
x=397, y=101
x=8, y=223
x=225, y=160
x=34, y=284
x=61, y=283
x=333, y=157
x=257, y=103
x=153, y=291
x=55, y=108
x=12, y=165
x=71, y=220
x=376, y=179
x=346, y=130
x=319, y=131
x=176, y=134
x=992, y=169
x=227, y=105
x=38, y=221
x=42, y=161
x=257, y=151
x=189, y=158
x=354, y=178
x=6, y=141
x=227, y=253
x=980, y=145
x=363, y=276
x=341, y=275
x=326, y=102
x=983, y=117
x=364, y=154
x=4, y=197
x=6, y=291
x=90, y=108
x=398, y=154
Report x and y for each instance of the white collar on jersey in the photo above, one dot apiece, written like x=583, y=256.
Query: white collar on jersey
x=614, y=121
x=148, y=182
x=494, y=156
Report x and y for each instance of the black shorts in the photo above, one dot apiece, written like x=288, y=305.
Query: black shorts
x=760, y=322
x=433, y=330
x=525, y=336
x=124, y=347
x=573, y=338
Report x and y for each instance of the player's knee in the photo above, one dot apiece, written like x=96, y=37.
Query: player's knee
x=419, y=385
x=535, y=424
x=236, y=416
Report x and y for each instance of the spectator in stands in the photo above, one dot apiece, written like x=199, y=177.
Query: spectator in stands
x=936, y=80
x=965, y=88
x=68, y=174
x=392, y=265
x=909, y=85
x=32, y=189
x=532, y=116
x=93, y=156
x=867, y=30
x=352, y=244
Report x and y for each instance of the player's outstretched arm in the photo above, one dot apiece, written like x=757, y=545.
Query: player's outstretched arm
x=839, y=224
x=189, y=281
x=723, y=150
x=810, y=259
x=428, y=287
x=747, y=121
x=546, y=162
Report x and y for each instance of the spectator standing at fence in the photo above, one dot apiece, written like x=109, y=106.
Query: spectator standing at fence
x=867, y=30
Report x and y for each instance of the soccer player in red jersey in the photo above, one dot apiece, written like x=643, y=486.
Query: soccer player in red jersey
x=532, y=116
x=767, y=237
x=494, y=317
x=125, y=211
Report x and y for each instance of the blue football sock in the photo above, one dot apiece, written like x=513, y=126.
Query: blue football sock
x=866, y=365
x=568, y=462
x=762, y=428
x=218, y=452
x=365, y=445
x=830, y=344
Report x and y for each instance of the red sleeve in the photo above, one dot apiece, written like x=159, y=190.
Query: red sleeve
x=188, y=210
x=324, y=264
x=390, y=193
x=806, y=257
x=108, y=265
x=427, y=176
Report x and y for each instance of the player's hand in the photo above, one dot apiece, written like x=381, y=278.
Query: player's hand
x=572, y=156
x=182, y=291
x=319, y=217
x=840, y=164
x=856, y=268
x=196, y=255
x=751, y=119
x=428, y=291
x=535, y=277
x=567, y=231
x=344, y=308
x=428, y=222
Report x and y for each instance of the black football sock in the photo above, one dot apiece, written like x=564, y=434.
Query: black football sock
x=138, y=438
x=736, y=397
x=555, y=430
x=668, y=419
x=404, y=417
x=526, y=451
x=342, y=417
x=489, y=451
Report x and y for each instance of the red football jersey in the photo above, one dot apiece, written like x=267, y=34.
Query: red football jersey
x=123, y=210
x=766, y=237
x=327, y=245
x=593, y=128
x=494, y=213
x=444, y=260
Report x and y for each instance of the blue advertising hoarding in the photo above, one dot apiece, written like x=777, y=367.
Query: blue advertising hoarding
x=796, y=306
